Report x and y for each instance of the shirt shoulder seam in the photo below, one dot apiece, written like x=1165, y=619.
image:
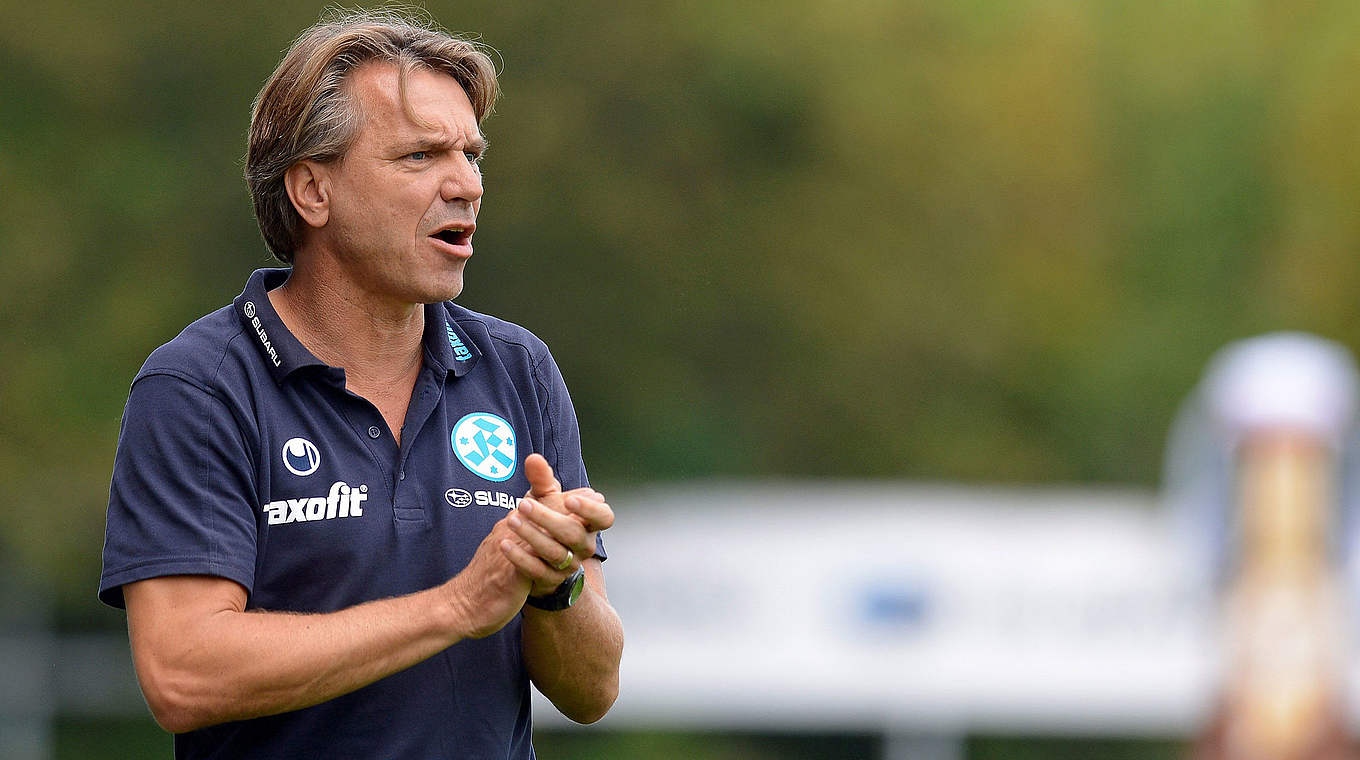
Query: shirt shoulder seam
x=209, y=385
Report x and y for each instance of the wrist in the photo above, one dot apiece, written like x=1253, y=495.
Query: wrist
x=454, y=610
x=563, y=596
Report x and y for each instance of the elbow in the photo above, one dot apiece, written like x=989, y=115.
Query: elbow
x=596, y=705
x=586, y=718
x=172, y=715
x=174, y=719
x=171, y=700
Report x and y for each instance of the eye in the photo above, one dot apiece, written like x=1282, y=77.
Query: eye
x=419, y=155
x=473, y=158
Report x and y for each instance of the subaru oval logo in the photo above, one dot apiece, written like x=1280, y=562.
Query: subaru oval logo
x=485, y=444
x=457, y=497
x=301, y=457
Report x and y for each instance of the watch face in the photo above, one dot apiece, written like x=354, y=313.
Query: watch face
x=577, y=587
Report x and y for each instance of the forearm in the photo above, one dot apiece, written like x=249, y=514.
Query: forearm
x=202, y=659
x=573, y=655
x=325, y=655
x=227, y=664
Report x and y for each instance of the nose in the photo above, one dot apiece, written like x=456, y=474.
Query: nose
x=463, y=182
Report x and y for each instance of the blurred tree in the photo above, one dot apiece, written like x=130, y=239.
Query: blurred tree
x=976, y=240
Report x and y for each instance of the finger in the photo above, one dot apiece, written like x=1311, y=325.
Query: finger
x=507, y=532
x=595, y=515
x=559, y=557
x=563, y=528
x=543, y=578
x=566, y=530
x=585, y=492
x=542, y=484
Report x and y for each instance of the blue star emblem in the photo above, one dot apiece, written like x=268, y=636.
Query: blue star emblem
x=485, y=443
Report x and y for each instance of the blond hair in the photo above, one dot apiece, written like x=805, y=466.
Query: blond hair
x=305, y=112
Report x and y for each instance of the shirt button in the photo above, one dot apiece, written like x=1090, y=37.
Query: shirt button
x=374, y=432
x=401, y=475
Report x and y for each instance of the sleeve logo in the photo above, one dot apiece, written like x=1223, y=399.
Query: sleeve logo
x=485, y=444
x=301, y=457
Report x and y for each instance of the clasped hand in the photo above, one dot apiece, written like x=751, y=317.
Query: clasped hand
x=556, y=531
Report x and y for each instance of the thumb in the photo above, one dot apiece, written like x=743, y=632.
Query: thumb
x=540, y=474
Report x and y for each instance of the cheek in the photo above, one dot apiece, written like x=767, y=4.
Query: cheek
x=352, y=202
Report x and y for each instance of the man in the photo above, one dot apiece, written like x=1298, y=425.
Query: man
x=313, y=520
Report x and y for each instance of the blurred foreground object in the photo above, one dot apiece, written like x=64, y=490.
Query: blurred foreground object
x=1276, y=414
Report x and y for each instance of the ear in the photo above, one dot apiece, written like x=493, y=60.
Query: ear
x=309, y=190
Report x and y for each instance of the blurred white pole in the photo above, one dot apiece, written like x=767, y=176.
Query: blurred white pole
x=27, y=663
x=903, y=746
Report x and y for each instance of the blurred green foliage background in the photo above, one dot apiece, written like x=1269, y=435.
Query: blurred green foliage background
x=979, y=240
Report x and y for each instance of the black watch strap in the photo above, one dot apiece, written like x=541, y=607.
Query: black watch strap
x=564, y=595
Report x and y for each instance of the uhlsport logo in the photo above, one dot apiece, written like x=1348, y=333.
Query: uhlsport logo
x=343, y=500
x=301, y=457
x=485, y=444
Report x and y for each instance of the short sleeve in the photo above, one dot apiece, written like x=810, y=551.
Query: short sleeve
x=181, y=501
x=563, y=447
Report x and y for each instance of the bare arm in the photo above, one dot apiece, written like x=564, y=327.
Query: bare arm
x=201, y=659
x=572, y=655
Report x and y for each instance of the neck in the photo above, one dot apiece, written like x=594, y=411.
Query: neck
x=375, y=340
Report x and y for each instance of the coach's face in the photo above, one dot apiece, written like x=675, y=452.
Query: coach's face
x=404, y=199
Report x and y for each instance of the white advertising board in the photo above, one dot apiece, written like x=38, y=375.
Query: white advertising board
x=907, y=608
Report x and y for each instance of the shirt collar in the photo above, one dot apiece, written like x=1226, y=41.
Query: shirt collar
x=281, y=352
x=446, y=345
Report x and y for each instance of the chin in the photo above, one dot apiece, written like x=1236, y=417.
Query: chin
x=424, y=282
x=445, y=290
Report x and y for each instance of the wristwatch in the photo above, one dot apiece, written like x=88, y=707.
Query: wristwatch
x=564, y=595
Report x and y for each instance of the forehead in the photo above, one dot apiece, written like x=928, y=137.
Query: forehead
x=436, y=105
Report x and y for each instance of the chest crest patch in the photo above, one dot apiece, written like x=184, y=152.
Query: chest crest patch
x=485, y=444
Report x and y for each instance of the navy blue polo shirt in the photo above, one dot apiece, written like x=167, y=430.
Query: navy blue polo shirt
x=242, y=455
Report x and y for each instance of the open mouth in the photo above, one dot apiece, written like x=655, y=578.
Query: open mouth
x=454, y=236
